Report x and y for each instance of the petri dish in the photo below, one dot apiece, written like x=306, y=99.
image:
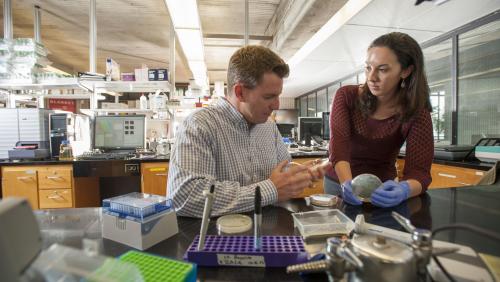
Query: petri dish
x=363, y=186
x=234, y=223
x=323, y=200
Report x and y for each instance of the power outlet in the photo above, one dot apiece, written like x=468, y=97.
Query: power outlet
x=131, y=168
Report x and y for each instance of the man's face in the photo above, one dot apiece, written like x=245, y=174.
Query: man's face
x=257, y=104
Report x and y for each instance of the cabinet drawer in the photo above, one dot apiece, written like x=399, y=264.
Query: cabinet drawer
x=54, y=178
x=56, y=198
x=154, y=178
x=21, y=183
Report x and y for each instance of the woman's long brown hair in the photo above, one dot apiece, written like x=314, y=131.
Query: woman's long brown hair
x=415, y=95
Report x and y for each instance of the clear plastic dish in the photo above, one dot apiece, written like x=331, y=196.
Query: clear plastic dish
x=62, y=263
x=138, y=205
x=322, y=223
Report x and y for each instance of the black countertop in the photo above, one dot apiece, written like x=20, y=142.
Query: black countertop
x=478, y=205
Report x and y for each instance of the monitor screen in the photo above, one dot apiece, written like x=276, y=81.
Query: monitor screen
x=326, y=125
x=285, y=129
x=119, y=132
x=311, y=126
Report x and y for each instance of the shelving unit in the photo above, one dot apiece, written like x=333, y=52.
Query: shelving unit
x=125, y=86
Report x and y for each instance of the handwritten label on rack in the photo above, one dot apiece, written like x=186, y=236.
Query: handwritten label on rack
x=241, y=260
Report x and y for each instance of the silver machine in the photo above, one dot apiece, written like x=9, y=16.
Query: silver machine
x=20, y=239
x=28, y=127
x=369, y=256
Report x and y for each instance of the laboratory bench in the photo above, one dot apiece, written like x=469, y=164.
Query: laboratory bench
x=84, y=183
x=476, y=205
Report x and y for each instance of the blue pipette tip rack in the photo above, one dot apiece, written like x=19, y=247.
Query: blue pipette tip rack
x=136, y=205
x=276, y=251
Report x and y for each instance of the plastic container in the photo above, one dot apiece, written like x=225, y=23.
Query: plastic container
x=156, y=268
x=137, y=205
x=322, y=223
x=61, y=263
x=276, y=251
x=69, y=226
x=143, y=102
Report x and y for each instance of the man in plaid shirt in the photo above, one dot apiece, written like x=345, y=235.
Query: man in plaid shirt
x=232, y=145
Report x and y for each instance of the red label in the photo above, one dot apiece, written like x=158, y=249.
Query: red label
x=62, y=104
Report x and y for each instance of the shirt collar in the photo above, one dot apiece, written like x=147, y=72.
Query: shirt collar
x=232, y=113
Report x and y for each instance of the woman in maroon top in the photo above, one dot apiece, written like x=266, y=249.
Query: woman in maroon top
x=370, y=123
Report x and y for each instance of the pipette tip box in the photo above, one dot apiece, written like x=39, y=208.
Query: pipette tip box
x=137, y=205
x=276, y=251
x=138, y=220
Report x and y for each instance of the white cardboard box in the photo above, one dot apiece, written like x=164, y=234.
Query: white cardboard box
x=139, y=235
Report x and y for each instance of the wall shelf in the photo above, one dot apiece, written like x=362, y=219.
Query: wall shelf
x=126, y=86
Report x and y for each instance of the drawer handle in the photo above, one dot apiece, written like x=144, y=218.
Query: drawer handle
x=160, y=174
x=54, y=196
x=447, y=175
x=24, y=178
x=54, y=177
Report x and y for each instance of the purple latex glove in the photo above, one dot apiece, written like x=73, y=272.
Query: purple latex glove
x=390, y=194
x=348, y=196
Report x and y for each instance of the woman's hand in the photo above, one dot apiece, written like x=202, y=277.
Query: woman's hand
x=348, y=196
x=390, y=194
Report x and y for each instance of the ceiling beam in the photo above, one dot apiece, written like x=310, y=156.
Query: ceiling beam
x=236, y=36
x=285, y=20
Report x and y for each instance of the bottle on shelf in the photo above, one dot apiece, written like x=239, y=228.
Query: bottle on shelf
x=65, y=151
x=143, y=102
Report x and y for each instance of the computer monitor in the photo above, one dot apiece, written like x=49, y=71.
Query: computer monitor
x=326, y=125
x=285, y=129
x=310, y=126
x=119, y=132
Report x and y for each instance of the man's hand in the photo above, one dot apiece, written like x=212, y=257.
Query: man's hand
x=290, y=182
x=318, y=168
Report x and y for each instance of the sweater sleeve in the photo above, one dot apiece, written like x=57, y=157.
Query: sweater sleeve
x=419, y=150
x=340, y=127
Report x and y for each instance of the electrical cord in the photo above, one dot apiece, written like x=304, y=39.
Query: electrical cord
x=469, y=227
x=472, y=228
x=446, y=273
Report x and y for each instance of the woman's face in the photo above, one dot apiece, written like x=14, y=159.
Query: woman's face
x=383, y=72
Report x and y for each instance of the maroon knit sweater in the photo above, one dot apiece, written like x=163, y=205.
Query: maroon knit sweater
x=371, y=146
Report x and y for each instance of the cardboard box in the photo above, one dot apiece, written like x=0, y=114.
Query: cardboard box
x=139, y=235
x=158, y=75
x=141, y=74
x=128, y=76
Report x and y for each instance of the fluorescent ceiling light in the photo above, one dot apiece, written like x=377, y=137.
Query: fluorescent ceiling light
x=192, y=43
x=350, y=9
x=197, y=66
x=184, y=13
x=186, y=22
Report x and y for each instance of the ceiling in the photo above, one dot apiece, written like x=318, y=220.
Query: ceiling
x=136, y=32
x=343, y=52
